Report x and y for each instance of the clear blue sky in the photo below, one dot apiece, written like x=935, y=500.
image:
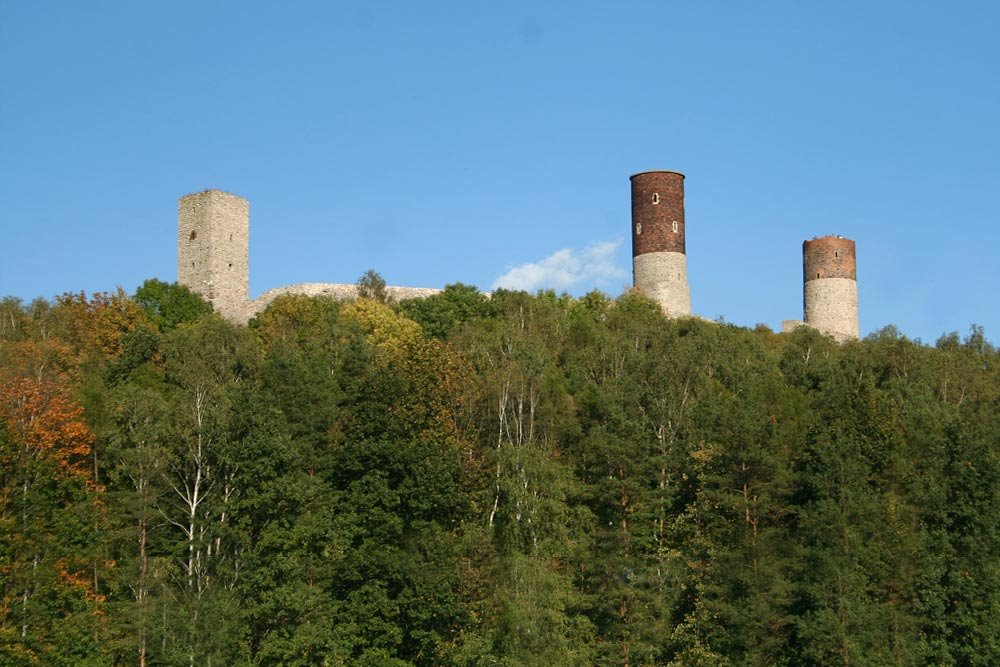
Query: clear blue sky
x=439, y=142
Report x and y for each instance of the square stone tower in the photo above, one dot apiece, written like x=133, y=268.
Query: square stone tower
x=213, y=243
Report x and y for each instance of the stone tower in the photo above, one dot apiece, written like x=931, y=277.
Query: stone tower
x=830, y=291
x=213, y=241
x=659, y=259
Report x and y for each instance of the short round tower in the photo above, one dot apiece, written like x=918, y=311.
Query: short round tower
x=659, y=259
x=830, y=290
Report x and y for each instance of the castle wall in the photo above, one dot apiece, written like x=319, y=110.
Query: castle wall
x=213, y=240
x=788, y=326
x=659, y=260
x=339, y=291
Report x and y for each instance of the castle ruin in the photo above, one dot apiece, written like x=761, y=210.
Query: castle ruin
x=213, y=242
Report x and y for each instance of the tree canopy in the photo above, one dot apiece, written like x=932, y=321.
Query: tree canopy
x=467, y=480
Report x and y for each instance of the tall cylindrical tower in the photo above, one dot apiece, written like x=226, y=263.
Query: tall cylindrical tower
x=830, y=291
x=659, y=259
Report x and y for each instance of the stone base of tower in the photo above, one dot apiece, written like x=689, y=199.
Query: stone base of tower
x=831, y=306
x=662, y=276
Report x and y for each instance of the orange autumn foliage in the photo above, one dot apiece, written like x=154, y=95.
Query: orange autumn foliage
x=41, y=359
x=53, y=343
x=46, y=423
x=99, y=324
x=78, y=579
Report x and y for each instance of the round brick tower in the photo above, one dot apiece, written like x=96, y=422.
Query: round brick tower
x=830, y=291
x=659, y=261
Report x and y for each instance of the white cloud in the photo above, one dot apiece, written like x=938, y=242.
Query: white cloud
x=566, y=268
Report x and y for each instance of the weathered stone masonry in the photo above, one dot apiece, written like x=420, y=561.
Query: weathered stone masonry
x=213, y=241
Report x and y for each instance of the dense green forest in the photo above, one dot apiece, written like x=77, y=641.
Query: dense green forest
x=522, y=480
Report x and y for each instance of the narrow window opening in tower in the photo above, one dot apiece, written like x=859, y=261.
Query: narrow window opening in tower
x=656, y=197
x=192, y=265
x=836, y=254
x=817, y=274
x=673, y=225
x=638, y=228
x=230, y=265
x=194, y=235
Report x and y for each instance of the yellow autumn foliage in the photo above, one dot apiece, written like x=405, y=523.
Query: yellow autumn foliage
x=384, y=328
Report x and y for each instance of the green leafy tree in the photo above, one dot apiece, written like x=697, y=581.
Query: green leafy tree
x=50, y=610
x=191, y=449
x=371, y=285
x=170, y=304
x=530, y=505
x=441, y=313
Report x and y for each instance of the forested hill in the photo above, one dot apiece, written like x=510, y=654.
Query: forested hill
x=526, y=480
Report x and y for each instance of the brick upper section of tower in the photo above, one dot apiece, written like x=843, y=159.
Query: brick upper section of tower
x=657, y=212
x=829, y=257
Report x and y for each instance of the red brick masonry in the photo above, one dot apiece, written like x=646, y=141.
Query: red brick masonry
x=829, y=257
x=652, y=223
